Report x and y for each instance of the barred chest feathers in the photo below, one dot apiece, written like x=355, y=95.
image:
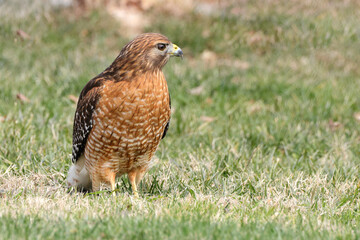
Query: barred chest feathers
x=129, y=123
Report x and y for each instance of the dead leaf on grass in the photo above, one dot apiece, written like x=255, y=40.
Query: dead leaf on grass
x=23, y=35
x=197, y=91
x=255, y=37
x=207, y=119
x=131, y=17
x=73, y=98
x=335, y=125
x=209, y=100
x=209, y=57
x=243, y=65
x=357, y=116
x=22, y=98
x=206, y=33
x=254, y=106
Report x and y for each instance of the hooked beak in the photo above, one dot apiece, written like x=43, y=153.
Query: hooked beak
x=176, y=51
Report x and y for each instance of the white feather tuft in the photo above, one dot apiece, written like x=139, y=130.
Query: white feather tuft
x=78, y=176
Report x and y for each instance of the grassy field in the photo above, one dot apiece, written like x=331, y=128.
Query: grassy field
x=264, y=138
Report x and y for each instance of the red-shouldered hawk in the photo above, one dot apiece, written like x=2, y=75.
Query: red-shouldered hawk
x=121, y=115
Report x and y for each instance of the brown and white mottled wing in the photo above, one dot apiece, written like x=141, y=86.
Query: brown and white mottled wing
x=83, y=121
x=168, y=123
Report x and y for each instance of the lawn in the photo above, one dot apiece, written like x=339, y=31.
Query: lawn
x=264, y=137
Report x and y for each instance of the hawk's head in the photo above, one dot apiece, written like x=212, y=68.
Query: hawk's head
x=148, y=51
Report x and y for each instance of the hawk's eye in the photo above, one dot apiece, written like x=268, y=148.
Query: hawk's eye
x=161, y=46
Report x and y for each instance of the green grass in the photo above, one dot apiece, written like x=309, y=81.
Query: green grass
x=279, y=160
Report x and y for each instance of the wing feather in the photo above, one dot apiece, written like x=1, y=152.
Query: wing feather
x=168, y=123
x=83, y=120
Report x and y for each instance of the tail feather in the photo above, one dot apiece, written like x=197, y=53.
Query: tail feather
x=78, y=176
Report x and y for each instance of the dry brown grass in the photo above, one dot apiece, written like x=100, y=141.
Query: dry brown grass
x=44, y=196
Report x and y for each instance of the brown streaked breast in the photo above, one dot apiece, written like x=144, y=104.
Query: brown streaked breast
x=129, y=121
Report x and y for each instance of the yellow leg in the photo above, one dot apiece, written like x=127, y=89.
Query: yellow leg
x=132, y=179
x=112, y=178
